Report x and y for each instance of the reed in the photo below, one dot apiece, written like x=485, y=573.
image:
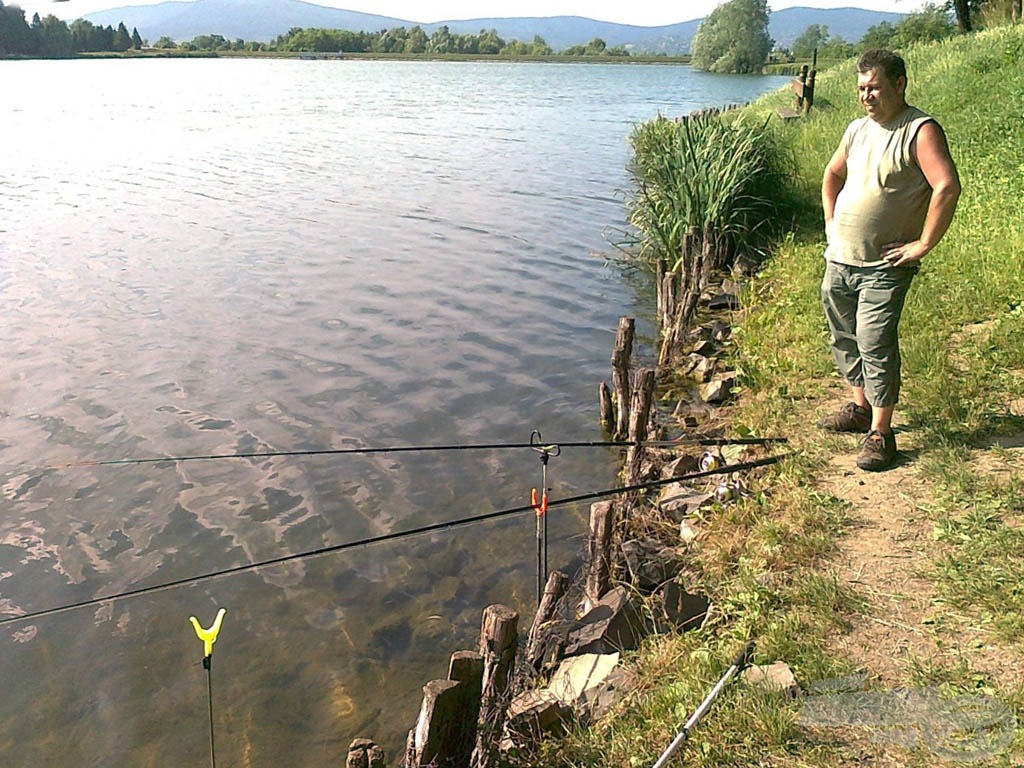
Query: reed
x=708, y=171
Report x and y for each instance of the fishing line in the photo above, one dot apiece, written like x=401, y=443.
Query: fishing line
x=697, y=441
x=394, y=536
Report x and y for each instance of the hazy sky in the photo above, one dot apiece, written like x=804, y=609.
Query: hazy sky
x=645, y=13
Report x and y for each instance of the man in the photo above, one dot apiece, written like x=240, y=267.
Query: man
x=889, y=194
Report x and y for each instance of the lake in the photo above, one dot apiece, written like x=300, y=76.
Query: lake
x=224, y=257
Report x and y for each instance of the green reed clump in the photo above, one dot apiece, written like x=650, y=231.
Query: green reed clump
x=725, y=177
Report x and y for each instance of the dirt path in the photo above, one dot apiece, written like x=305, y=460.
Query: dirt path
x=905, y=627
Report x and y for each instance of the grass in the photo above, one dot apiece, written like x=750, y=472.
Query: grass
x=766, y=560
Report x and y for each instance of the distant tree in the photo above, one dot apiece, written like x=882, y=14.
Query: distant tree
x=165, y=43
x=962, y=8
x=489, y=41
x=880, y=35
x=441, y=41
x=16, y=38
x=807, y=41
x=733, y=38
x=54, y=39
x=595, y=47
x=539, y=47
x=122, y=40
x=416, y=41
x=931, y=23
x=136, y=39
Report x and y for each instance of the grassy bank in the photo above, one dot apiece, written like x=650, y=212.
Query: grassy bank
x=800, y=565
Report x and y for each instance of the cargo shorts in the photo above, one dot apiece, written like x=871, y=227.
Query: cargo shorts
x=863, y=307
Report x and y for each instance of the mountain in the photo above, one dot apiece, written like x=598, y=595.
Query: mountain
x=264, y=20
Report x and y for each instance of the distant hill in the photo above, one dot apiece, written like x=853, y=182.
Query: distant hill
x=264, y=20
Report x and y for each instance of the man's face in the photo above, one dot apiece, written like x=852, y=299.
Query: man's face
x=881, y=99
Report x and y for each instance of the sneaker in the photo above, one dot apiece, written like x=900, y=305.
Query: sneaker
x=850, y=418
x=878, y=451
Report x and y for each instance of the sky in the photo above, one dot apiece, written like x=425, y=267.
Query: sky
x=644, y=13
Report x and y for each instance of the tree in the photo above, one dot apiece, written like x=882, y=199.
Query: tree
x=931, y=23
x=15, y=35
x=165, y=43
x=136, y=39
x=122, y=40
x=810, y=39
x=880, y=35
x=733, y=38
x=54, y=39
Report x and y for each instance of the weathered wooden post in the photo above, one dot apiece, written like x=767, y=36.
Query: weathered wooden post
x=558, y=584
x=599, y=548
x=639, y=419
x=620, y=373
x=364, y=753
x=445, y=731
x=607, y=408
x=499, y=632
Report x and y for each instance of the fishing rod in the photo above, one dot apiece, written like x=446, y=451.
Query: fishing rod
x=387, y=537
x=682, y=441
x=743, y=658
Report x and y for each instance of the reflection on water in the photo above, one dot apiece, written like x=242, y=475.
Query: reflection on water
x=239, y=257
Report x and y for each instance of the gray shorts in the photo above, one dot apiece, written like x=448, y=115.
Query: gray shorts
x=863, y=307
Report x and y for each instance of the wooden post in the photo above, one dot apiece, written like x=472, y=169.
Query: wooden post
x=467, y=669
x=364, y=753
x=429, y=742
x=498, y=635
x=607, y=408
x=558, y=584
x=638, y=422
x=620, y=373
x=599, y=547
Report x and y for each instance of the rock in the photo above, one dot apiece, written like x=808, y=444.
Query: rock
x=705, y=348
x=724, y=300
x=364, y=753
x=614, y=624
x=650, y=563
x=705, y=368
x=682, y=465
x=721, y=331
x=687, y=533
x=682, y=609
x=592, y=684
x=719, y=390
x=679, y=500
x=579, y=674
x=531, y=715
x=775, y=677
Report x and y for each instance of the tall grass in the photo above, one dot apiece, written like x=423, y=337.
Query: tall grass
x=705, y=172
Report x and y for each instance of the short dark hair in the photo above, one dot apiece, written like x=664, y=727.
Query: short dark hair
x=890, y=63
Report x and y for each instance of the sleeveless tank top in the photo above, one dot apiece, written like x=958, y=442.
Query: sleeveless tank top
x=885, y=197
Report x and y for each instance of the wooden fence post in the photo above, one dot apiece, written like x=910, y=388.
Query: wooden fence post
x=599, y=547
x=639, y=419
x=499, y=631
x=620, y=373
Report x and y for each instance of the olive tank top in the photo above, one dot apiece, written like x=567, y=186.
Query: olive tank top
x=885, y=197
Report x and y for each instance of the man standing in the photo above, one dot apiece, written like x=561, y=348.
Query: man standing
x=889, y=194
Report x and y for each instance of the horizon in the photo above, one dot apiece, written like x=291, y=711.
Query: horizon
x=644, y=13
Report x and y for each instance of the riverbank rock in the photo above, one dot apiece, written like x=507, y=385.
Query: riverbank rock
x=776, y=676
x=681, y=610
x=531, y=715
x=591, y=684
x=650, y=563
x=614, y=624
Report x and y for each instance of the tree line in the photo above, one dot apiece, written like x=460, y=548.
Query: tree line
x=52, y=38
x=395, y=41
x=734, y=37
